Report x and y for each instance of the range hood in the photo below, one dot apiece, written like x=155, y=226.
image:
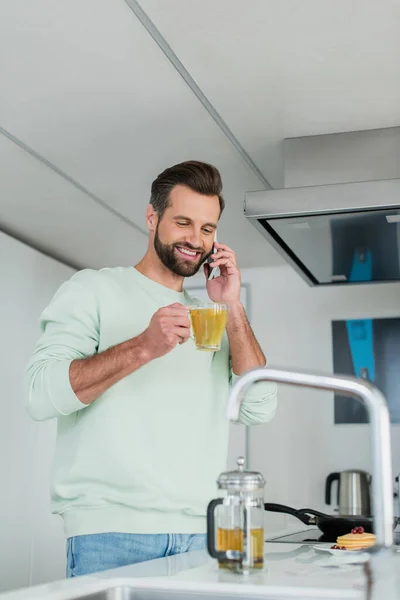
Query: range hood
x=333, y=234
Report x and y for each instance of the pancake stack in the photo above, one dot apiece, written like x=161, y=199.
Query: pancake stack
x=356, y=540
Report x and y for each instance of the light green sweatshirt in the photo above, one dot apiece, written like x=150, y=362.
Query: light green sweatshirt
x=144, y=456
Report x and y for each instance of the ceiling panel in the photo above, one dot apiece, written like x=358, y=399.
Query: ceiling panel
x=89, y=89
x=282, y=68
x=43, y=209
x=233, y=50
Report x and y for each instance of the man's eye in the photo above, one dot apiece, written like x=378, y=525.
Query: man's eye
x=182, y=224
x=208, y=230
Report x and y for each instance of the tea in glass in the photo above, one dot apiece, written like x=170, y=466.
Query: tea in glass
x=208, y=324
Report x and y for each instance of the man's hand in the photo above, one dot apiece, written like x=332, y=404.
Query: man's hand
x=168, y=327
x=226, y=287
x=90, y=377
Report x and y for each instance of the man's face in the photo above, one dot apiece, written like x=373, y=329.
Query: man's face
x=184, y=236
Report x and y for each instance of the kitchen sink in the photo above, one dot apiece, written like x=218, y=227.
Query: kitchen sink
x=128, y=593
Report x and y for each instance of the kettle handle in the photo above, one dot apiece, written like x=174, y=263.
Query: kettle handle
x=328, y=485
x=218, y=554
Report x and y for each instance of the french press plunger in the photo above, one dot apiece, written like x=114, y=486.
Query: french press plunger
x=235, y=523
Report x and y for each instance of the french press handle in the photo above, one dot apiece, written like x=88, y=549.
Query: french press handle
x=229, y=555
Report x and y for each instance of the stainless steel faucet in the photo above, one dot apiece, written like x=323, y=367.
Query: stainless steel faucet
x=382, y=488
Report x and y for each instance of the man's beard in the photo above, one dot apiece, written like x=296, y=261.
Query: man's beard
x=167, y=253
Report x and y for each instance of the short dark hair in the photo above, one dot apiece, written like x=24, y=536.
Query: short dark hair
x=198, y=176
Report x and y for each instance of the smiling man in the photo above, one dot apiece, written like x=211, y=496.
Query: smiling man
x=142, y=433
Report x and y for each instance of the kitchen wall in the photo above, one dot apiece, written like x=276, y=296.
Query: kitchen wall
x=32, y=545
x=302, y=445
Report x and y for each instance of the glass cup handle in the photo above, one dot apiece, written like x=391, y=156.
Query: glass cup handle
x=191, y=330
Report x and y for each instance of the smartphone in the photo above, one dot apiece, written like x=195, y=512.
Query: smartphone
x=215, y=270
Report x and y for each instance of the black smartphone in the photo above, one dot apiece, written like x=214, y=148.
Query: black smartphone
x=215, y=270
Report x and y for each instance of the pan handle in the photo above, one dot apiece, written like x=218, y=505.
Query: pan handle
x=315, y=513
x=281, y=508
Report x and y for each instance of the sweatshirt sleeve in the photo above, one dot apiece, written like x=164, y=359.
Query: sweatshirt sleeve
x=70, y=330
x=260, y=403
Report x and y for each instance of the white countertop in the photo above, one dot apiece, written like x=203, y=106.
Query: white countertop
x=291, y=571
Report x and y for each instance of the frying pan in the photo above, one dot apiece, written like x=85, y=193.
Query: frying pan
x=330, y=525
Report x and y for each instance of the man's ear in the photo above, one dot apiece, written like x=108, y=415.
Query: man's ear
x=151, y=218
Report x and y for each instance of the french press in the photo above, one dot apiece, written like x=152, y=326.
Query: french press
x=235, y=522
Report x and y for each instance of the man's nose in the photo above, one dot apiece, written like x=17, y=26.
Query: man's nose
x=194, y=238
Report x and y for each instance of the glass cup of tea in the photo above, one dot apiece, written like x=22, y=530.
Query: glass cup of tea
x=208, y=324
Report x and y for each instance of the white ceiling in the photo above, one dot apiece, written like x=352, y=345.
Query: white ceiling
x=86, y=88
x=286, y=68
x=57, y=217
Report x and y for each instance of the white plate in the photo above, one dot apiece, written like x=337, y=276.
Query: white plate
x=332, y=551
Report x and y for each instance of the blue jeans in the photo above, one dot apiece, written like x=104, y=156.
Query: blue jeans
x=99, y=552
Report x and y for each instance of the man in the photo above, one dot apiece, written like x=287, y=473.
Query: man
x=142, y=429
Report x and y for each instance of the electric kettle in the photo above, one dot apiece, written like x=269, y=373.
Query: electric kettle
x=353, y=492
x=235, y=522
